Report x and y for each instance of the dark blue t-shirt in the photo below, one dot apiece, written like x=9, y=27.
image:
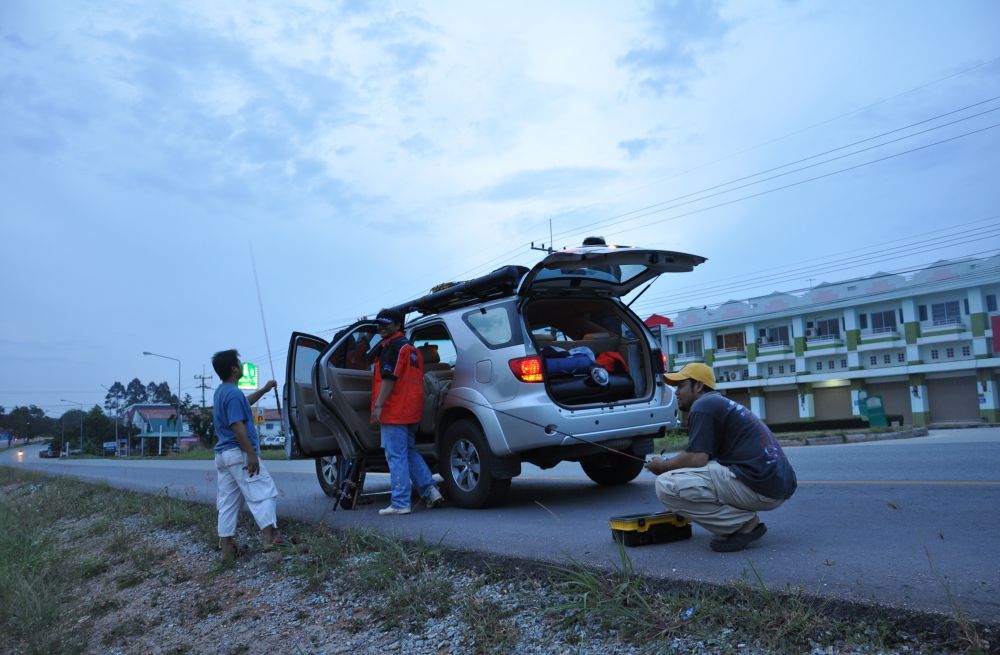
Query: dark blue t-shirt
x=229, y=406
x=733, y=436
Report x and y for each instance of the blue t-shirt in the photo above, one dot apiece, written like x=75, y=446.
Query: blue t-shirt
x=229, y=406
x=732, y=435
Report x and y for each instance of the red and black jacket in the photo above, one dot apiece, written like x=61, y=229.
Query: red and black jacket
x=397, y=359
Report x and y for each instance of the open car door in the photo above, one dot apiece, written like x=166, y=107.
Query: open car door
x=308, y=437
x=343, y=387
x=606, y=270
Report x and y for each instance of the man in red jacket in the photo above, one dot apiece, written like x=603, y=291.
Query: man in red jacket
x=397, y=404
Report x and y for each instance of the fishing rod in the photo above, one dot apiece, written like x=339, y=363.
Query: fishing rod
x=267, y=341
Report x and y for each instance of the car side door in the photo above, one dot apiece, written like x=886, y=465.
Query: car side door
x=309, y=436
x=343, y=384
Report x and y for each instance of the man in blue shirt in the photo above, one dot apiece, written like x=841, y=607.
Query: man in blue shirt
x=242, y=476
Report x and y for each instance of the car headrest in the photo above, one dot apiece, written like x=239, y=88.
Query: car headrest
x=596, y=335
x=429, y=353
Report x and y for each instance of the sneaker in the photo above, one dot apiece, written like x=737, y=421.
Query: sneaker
x=392, y=510
x=433, y=498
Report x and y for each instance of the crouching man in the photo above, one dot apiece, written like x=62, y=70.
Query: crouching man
x=731, y=469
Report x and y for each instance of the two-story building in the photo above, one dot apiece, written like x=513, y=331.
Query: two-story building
x=927, y=343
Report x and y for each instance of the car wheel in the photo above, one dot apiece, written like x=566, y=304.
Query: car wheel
x=611, y=468
x=328, y=471
x=466, y=466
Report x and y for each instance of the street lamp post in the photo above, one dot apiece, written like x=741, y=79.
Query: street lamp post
x=117, y=443
x=178, y=424
x=63, y=400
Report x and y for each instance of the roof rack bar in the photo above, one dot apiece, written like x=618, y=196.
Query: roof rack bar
x=498, y=284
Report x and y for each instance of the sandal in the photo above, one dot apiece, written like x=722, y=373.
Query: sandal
x=738, y=541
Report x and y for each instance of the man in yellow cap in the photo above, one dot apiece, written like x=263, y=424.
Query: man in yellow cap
x=731, y=469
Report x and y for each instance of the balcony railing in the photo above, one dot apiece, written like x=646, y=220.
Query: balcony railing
x=889, y=330
x=823, y=337
x=684, y=357
x=943, y=325
x=774, y=343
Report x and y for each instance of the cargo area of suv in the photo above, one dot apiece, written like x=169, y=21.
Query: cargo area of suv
x=574, y=337
x=537, y=366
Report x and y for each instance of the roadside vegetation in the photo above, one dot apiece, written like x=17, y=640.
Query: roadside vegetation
x=91, y=569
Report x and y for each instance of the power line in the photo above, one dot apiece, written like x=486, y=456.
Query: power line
x=588, y=227
x=833, y=266
x=984, y=274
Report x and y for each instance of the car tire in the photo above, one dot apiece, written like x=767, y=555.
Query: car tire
x=611, y=468
x=466, y=466
x=328, y=472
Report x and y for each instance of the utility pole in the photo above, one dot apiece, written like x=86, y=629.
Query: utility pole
x=203, y=378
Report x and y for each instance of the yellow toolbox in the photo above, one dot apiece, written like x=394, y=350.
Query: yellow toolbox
x=642, y=529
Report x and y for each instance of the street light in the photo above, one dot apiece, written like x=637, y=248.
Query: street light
x=117, y=444
x=178, y=424
x=63, y=400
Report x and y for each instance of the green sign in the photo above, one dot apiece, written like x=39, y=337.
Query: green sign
x=249, y=379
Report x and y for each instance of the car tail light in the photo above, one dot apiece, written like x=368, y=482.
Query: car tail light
x=661, y=360
x=527, y=369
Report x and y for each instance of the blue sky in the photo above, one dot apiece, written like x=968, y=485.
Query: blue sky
x=369, y=151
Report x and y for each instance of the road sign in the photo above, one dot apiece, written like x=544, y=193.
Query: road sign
x=258, y=415
x=249, y=379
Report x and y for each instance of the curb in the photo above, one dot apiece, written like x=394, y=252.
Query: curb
x=829, y=439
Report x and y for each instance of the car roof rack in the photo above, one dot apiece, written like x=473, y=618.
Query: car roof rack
x=500, y=283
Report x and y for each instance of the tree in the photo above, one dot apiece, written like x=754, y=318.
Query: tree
x=97, y=428
x=200, y=421
x=114, y=400
x=135, y=393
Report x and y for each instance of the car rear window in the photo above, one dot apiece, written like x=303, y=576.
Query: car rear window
x=494, y=325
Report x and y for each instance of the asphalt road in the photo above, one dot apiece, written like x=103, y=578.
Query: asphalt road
x=889, y=522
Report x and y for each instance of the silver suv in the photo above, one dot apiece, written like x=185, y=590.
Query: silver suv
x=519, y=366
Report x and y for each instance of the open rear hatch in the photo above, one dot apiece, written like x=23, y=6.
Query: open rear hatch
x=604, y=270
x=593, y=349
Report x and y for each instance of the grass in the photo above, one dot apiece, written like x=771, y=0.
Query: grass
x=491, y=626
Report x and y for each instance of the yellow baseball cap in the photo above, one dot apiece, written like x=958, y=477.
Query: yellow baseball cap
x=696, y=371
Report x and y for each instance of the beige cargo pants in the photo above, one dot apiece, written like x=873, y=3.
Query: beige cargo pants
x=712, y=497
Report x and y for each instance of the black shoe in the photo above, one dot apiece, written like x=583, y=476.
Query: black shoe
x=738, y=540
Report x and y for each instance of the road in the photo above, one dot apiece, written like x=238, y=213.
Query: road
x=890, y=522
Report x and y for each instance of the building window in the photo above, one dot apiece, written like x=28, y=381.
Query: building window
x=775, y=335
x=949, y=352
x=826, y=328
x=791, y=368
x=863, y=321
x=819, y=366
x=901, y=357
x=690, y=347
x=843, y=363
x=966, y=352
x=945, y=313
x=965, y=301
x=991, y=302
x=830, y=365
x=886, y=359
x=934, y=354
x=269, y=426
x=733, y=342
x=873, y=360
x=770, y=370
x=883, y=322
x=781, y=369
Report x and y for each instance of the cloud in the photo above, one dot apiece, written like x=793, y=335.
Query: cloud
x=636, y=147
x=679, y=32
x=548, y=183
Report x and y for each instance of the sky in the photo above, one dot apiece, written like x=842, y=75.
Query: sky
x=360, y=153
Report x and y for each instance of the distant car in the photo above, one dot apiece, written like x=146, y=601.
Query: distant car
x=49, y=452
x=272, y=441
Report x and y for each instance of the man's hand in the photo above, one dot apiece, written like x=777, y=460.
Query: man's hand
x=656, y=466
x=377, y=414
x=270, y=384
x=253, y=465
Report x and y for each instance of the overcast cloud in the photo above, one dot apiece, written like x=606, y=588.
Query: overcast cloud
x=369, y=151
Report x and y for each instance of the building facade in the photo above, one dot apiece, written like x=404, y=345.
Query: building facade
x=928, y=344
